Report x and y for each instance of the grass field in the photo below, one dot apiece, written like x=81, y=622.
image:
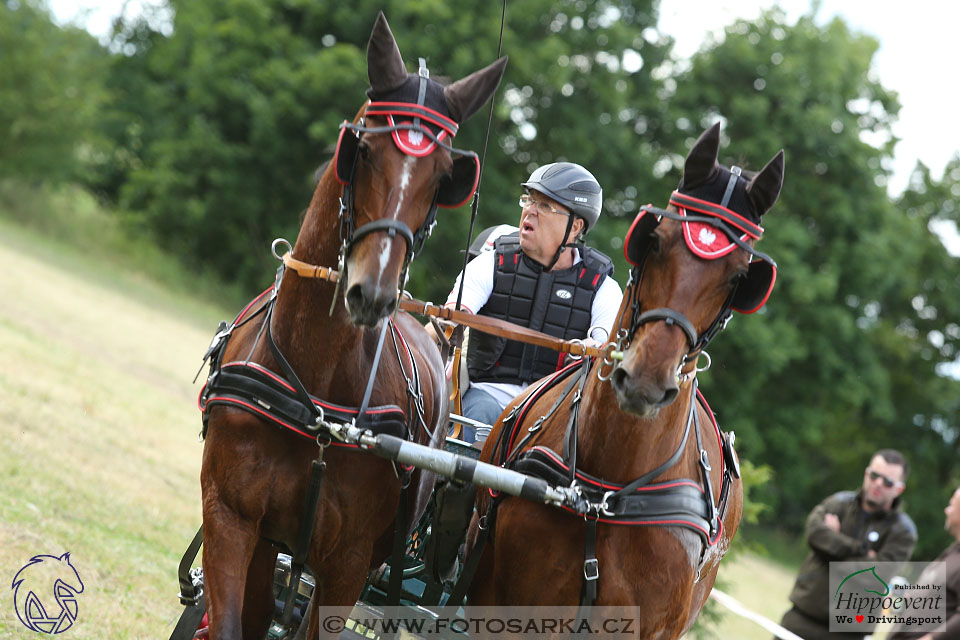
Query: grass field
x=100, y=455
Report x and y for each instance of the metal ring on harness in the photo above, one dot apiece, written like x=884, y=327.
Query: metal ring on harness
x=280, y=241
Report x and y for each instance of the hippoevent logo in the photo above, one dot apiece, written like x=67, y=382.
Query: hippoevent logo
x=866, y=594
x=45, y=593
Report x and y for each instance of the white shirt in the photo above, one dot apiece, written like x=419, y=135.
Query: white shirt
x=478, y=286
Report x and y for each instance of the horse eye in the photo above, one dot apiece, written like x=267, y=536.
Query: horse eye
x=654, y=243
x=364, y=151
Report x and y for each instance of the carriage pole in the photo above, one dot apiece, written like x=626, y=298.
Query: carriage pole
x=462, y=468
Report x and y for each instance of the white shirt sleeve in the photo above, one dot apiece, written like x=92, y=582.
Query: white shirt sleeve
x=603, y=313
x=478, y=284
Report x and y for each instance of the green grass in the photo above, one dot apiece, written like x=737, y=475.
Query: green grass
x=100, y=337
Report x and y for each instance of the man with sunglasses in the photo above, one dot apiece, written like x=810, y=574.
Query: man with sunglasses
x=862, y=525
x=542, y=277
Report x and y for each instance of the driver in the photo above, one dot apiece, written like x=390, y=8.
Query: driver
x=542, y=277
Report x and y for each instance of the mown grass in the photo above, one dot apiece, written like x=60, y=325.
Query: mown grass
x=100, y=337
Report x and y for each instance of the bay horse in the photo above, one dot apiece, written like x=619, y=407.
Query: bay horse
x=296, y=358
x=661, y=480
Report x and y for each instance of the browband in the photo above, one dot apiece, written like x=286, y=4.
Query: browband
x=682, y=201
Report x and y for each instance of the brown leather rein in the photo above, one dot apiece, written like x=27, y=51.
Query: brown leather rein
x=493, y=326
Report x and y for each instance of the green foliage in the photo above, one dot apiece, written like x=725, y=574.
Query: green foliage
x=51, y=87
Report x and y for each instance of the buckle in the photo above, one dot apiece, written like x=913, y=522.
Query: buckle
x=591, y=569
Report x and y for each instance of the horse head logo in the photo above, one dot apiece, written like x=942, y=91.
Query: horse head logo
x=41, y=576
x=865, y=581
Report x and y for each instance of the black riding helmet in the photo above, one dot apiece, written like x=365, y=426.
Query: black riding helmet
x=572, y=186
x=575, y=188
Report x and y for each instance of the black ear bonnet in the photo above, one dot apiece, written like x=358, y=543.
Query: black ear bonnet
x=419, y=120
x=717, y=216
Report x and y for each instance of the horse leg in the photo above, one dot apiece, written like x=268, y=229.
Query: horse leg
x=341, y=584
x=258, y=600
x=228, y=547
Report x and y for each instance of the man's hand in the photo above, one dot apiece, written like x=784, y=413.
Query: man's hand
x=832, y=522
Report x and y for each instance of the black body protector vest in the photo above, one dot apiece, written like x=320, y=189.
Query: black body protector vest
x=557, y=303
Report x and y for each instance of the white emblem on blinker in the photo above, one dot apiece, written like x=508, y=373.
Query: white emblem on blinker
x=415, y=137
x=707, y=237
x=564, y=294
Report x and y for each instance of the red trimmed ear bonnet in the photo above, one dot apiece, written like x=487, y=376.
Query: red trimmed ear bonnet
x=421, y=114
x=720, y=210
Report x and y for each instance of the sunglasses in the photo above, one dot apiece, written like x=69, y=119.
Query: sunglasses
x=887, y=482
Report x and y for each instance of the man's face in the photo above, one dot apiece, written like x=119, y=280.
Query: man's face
x=952, y=523
x=882, y=483
x=541, y=232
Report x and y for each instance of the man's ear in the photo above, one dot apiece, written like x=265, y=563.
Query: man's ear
x=576, y=229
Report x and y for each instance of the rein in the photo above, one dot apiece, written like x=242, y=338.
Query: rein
x=493, y=326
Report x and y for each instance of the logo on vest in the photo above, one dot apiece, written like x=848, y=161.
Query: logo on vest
x=563, y=294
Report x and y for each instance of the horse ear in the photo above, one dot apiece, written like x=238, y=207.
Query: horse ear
x=765, y=187
x=468, y=94
x=702, y=159
x=385, y=68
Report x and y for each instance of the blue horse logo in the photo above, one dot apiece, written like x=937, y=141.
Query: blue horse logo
x=42, y=575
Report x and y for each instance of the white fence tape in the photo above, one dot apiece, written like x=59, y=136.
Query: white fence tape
x=734, y=606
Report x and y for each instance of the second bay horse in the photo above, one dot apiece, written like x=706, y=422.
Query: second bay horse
x=636, y=437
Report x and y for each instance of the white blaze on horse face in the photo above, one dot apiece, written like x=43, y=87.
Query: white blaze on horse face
x=385, y=244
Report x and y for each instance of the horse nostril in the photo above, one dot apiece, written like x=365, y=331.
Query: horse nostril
x=354, y=296
x=389, y=307
x=618, y=378
x=669, y=395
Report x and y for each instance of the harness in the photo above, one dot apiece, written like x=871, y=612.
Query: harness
x=684, y=502
x=283, y=400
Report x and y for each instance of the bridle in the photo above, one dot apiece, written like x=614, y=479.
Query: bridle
x=453, y=191
x=740, y=231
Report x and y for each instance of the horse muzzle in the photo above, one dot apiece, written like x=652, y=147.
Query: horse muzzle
x=368, y=304
x=642, y=395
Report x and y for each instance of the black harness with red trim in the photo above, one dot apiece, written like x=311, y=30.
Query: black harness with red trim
x=283, y=400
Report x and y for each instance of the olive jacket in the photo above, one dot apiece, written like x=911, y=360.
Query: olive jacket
x=891, y=534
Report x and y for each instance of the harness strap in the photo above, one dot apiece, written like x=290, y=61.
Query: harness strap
x=505, y=445
x=304, y=535
x=248, y=386
x=459, y=592
x=361, y=414
x=591, y=571
x=670, y=317
x=288, y=371
x=395, y=586
x=570, y=441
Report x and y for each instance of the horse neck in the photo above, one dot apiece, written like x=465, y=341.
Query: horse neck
x=303, y=326
x=620, y=446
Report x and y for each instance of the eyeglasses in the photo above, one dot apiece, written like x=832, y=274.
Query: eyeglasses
x=887, y=482
x=543, y=208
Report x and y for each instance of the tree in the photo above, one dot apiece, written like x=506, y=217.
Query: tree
x=51, y=87
x=844, y=358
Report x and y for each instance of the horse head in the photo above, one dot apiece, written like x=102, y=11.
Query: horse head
x=397, y=166
x=691, y=266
